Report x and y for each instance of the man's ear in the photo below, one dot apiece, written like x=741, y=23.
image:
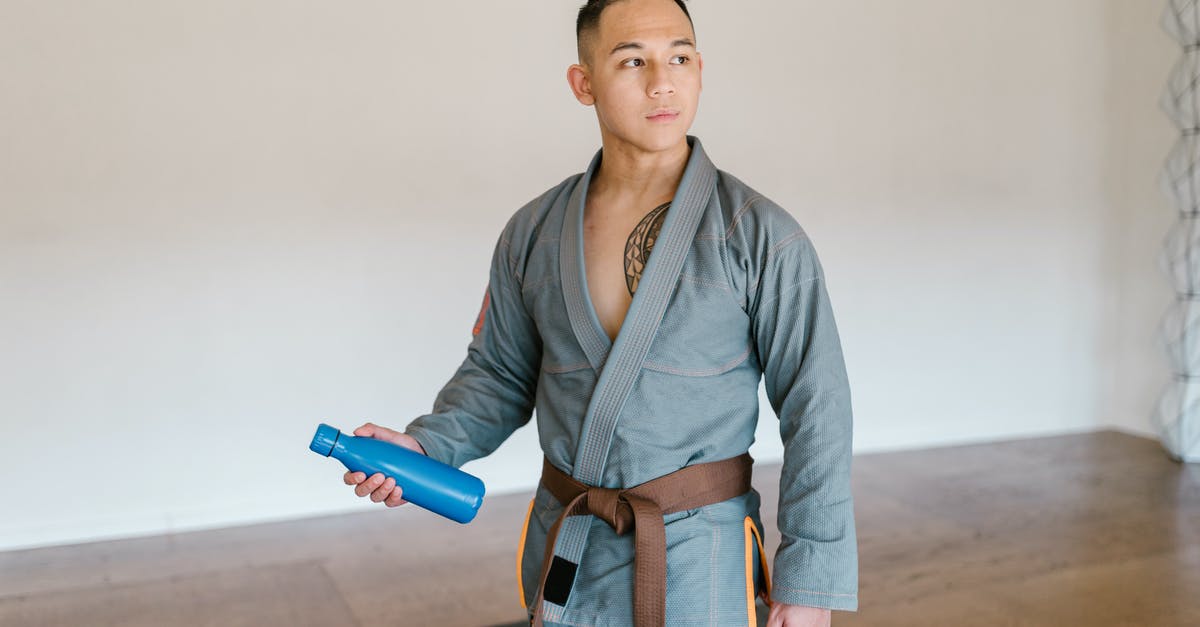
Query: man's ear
x=581, y=84
x=700, y=76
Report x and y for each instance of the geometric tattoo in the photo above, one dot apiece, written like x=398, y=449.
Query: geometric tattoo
x=641, y=243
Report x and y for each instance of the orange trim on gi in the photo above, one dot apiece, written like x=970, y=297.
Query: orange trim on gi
x=521, y=552
x=752, y=531
x=751, y=611
x=762, y=559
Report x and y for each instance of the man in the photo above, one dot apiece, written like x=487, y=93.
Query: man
x=636, y=306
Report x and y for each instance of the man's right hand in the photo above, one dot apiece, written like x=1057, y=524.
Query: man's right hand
x=379, y=487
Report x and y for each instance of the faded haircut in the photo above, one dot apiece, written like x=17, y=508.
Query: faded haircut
x=588, y=22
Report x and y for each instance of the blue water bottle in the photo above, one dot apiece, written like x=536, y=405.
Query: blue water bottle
x=437, y=487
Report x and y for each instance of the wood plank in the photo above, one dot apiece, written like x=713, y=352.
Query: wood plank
x=1154, y=591
x=297, y=595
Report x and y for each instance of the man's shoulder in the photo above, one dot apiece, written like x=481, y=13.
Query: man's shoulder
x=761, y=237
x=528, y=219
x=750, y=218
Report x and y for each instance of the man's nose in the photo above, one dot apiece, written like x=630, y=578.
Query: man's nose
x=660, y=82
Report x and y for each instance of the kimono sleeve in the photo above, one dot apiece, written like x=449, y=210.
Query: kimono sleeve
x=493, y=392
x=805, y=378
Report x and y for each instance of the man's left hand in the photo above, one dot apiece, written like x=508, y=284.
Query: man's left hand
x=798, y=616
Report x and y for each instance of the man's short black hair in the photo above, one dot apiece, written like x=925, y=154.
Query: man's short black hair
x=589, y=20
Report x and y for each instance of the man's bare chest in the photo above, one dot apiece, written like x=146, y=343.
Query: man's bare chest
x=617, y=246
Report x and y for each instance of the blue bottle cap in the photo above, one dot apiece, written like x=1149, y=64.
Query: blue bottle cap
x=323, y=441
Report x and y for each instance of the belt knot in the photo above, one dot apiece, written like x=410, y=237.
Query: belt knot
x=612, y=506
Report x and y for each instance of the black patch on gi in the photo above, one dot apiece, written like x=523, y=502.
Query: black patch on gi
x=559, y=581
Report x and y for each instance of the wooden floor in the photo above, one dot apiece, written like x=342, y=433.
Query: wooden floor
x=1093, y=530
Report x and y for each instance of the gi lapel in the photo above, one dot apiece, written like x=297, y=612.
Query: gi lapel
x=584, y=323
x=620, y=366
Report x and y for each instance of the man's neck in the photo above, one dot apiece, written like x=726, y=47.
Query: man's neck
x=627, y=175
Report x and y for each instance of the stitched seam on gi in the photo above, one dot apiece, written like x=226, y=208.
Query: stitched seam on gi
x=512, y=265
x=712, y=565
x=506, y=245
x=512, y=260
x=529, y=253
x=723, y=253
x=737, y=215
x=542, y=204
x=827, y=594
x=566, y=368
x=774, y=249
x=783, y=242
x=707, y=372
x=783, y=292
x=538, y=283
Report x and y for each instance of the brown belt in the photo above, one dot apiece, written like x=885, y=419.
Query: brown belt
x=642, y=508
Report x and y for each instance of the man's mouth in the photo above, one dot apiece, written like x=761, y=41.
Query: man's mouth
x=663, y=115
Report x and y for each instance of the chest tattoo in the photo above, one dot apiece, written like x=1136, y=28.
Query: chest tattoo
x=640, y=243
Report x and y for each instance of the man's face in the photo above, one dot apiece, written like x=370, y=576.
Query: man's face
x=642, y=63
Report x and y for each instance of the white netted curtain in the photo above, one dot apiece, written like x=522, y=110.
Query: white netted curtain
x=1177, y=416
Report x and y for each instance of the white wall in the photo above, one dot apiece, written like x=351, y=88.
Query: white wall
x=224, y=222
x=1139, y=138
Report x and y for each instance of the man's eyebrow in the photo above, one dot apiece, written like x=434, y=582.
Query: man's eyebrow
x=638, y=46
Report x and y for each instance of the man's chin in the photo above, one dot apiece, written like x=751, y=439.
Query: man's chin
x=660, y=140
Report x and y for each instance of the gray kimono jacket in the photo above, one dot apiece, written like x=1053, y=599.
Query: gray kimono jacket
x=732, y=293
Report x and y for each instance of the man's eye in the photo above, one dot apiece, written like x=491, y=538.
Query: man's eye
x=684, y=57
x=639, y=61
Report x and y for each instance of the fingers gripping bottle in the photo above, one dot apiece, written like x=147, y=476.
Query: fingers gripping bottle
x=437, y=487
